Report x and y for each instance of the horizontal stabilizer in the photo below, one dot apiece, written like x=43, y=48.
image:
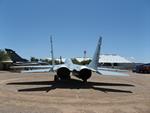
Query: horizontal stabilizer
x=36, y=71
x=111, y=73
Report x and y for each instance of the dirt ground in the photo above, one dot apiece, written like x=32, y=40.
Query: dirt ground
x=38, y=93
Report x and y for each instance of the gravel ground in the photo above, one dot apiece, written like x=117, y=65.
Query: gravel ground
x=38, y=93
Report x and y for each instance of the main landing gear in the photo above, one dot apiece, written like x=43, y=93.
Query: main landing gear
x=58, y=78
x=64, y=78
x=85, y=81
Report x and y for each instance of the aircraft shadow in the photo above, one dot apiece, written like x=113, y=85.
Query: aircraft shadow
x=71, y=84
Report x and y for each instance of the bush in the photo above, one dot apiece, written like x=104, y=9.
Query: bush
x=3, y=55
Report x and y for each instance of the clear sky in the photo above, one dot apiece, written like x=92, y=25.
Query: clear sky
x=26, y=25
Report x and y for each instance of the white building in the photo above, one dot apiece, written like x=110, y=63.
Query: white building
x=112, y=60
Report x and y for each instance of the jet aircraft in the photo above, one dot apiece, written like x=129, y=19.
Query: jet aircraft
x=23, y=65
x=82, y=72
x=19, y=61
x=64, y=71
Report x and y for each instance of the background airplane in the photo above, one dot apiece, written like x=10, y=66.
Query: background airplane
x=15, y=57
x=19, y=61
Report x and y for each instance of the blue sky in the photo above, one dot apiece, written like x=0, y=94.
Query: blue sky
x=26, y=25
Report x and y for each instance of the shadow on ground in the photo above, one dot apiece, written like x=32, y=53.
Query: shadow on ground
x=71, y=84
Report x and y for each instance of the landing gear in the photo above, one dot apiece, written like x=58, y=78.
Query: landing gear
x=68, y=78
x=85, y=81
x=56, y=78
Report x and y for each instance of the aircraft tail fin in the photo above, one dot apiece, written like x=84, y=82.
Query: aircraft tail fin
x=14, y=56
x=94, y=63
x=68, y=61
x=52, y=53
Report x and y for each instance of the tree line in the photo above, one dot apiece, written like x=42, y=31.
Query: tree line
x=4, y=57
x=74, y=60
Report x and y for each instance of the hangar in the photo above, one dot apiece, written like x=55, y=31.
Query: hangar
x=112, y=61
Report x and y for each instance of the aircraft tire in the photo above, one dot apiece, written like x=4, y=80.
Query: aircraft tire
x=69, y=77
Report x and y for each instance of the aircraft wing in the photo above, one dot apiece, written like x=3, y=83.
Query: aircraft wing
x=112, y=69
x=35, y=71
x=112, y=72
x=34, y=67
x=30, y=69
